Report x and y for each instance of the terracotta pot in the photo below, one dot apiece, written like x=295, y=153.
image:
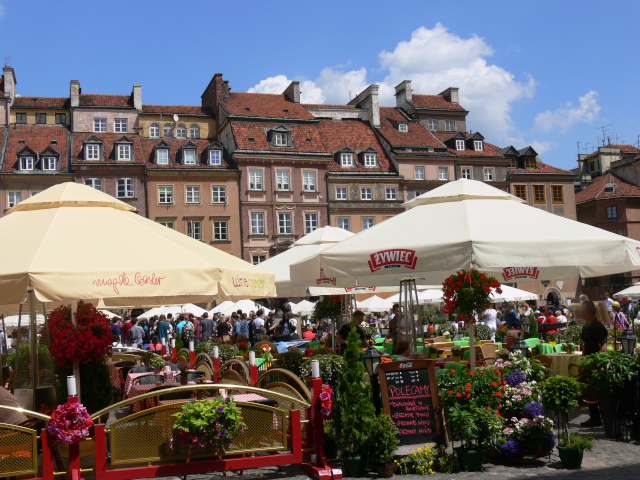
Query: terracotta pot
x=386, y=471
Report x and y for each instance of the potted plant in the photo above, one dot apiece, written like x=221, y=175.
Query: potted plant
x=456, y=353
x=433, y=353
x=384, y=441
x=354, y=413
x=571, y=449
x=552, y=338
x=483, y=332
x=568, y=348
x=478, y=426
x=184, y=375
x=501, y=333
x=573, y=334
x=157, y=363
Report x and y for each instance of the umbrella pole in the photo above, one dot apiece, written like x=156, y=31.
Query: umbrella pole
x=76, y=366
x=472, y=346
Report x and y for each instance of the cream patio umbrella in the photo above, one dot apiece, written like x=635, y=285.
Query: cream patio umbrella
x=630, y=292
x=375, y=304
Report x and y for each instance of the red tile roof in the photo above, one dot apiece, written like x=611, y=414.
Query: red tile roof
x=108, y=141
x=623, y=149
x=417, y=136
x=434, y=102
x=148, y=145
x=357, y=135
x=37, y=138
x=540, y=168
x=323, y=105
x=101, y=100
x=41, y=102
x=490, y=150
x=244, y=131
x=264, y=105
x=595, y=191
x=179, y=109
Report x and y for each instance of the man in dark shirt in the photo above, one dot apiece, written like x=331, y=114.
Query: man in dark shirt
x=223, y=327
x=163, y=329
x=341, y=337
x=116, y=331
x=594, y=339
x=206, y=327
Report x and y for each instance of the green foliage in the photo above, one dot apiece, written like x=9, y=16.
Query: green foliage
x=442, y=328
x=483, y=332
x=533, y=328
x=503, y=353
x=95, y=385
x=429, y=311
x=179, y=343
x=157, y=363
x=226, y=352
x=576, y=441
x=212, y=422
x=552, y=337
x=384, y=439
x=609, y=370
x=291, y=361
x=355, y=412
x=331, y=368
x=476, y=424
x=419, y=461
x=370, y=332
x=327, y=307
x=561, y=394
x=573, y=334
x=456, y=351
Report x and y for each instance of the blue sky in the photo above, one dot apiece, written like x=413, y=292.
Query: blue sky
x=543, y=73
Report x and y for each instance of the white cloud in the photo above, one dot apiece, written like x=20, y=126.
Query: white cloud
x=565, y=117
x=542, y=146
x=433, y=59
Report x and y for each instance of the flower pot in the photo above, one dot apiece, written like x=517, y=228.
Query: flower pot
x=184, y=379
x=385, y=471
x=540, y=450
x=456, y=358
x=570, y=457
x=354, y=465
x=469, y=460
x=608, y=403
x=434, y=356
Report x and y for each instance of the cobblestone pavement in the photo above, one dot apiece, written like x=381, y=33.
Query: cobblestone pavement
x=608, y=459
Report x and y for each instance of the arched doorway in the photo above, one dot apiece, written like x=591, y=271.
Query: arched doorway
x=553, y=297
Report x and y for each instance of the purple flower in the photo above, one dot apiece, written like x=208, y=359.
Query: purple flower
x=516, y=377
x=510, y=448
x=220, y=409
x=533, y=409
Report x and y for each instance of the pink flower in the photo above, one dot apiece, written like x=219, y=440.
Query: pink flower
x=514, y=419
x=508, y=431
x=324, y=397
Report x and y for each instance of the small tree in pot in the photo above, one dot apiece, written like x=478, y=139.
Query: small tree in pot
x=384, y=441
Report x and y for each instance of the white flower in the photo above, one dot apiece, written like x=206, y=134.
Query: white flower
x=446, y=334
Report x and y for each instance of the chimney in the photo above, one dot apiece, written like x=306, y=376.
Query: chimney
x=293, y=92
x=216, y=91
x=9, y=83
x=404, y=95
x=137, y=96
x=368, y=100
x=451, y=94
x=74, y=93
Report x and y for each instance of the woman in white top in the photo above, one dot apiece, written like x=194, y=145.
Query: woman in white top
x=562, y=320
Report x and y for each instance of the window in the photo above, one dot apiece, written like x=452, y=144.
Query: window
x=432, y=123
x=218, y=194
x=100, y=125
x=282, y=180
x=14, y=196
x=165, y=194
x=346, y=160
x=344, y=223
x=92, y=152
x=488, y=174
x=612, y=211
x=450, y=125
x=154, y=130
x=181, y=131
x=193, y=193
x=310, y=222
x=162, y=156
x=466, y=173
x=189, y=156
x=308, y=181
x=513, y=163
x=341, y=193
x=370, y=160
x=26, y=163
x=194, y=131
x=257, y=223
x=220, y=231
x=593, y=166
x=538, y=194
x=443, y=173
x=215, y=157
x=280, y=139
x=557, y=194
x=166, y=223
x=61, y=118
x=125, y=188
x=520, y=191
x=478, y=145
x=392, y=193
x=94, y=183
x=367, y=222
x=255, y=179
x=167, y=130
x=48, y=163
x=459, y=144
x=366, y=193
x=609, y=188
x=41, y=118
x=35, y=192
x=194, y=229
x=285, y=223
x=258, y=259
x=120, y=125
x=403, y=127
x=529, y=162
x=21, y=118
x=418, y=173
x=124, y=153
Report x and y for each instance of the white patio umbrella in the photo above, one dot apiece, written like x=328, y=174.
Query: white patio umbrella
x=630, y=292
x=221, y=307
x=297, y=308
x=511, y=294
x=375, y=304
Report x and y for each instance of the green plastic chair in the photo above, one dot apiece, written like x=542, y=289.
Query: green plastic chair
x=532, y=342
x=379, y=348
x=394, y=358
x=545, y=348
x=461, y=343
x=558, y=347
x=379, y=341
x=313, y=345
x=388, y=348
x=466, y=355
x=458, y=367
x=465, y=338
x=420, y=348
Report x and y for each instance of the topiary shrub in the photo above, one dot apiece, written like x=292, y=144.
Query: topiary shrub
x=291, y=361
x=483, y=332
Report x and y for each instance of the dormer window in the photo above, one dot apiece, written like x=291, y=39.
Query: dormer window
x=280, y=139
x=279, y=136
x=403, y=127
x=346, y=160
x=124, y=153
x=189, y=156
x=162, y=156
x=48, y=164
x=459, y=144
x=26, y=164
x=529, y=162
x=93, y=149
x=370, y=160
x=609, y=188
x=215, y=158
x=478, y=145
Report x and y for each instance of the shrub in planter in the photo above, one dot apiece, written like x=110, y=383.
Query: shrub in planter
x=571, y=449
x=501, y=333
x=383, y=442
x=483, y=332
x=331, y=368
x=443, y=328
x=226, y=352
x=157, y=363
x=533, y=327
x=456, y=351
x=478, y=426
x=561, y=394
x=573, y=334
x=291, y=361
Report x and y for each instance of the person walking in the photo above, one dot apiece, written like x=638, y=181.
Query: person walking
x=136, y=332
x=490, y=319
x=512, y=319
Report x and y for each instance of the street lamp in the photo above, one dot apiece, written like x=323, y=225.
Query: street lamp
x=525, y=324
x=520, y=346
x=371, y=361
x=628, y=340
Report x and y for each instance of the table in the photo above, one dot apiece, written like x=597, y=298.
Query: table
x=560, y=362
x=116, y=376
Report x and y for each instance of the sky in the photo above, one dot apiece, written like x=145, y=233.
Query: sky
x=543, y=73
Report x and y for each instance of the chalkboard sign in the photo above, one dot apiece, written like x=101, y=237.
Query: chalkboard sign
x=410, y=397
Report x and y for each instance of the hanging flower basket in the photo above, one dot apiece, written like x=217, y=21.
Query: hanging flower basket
x=467, y=293
x=70, y=423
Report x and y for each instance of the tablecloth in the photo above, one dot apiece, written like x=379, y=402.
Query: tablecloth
x=560, y=362
x=116, y=376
